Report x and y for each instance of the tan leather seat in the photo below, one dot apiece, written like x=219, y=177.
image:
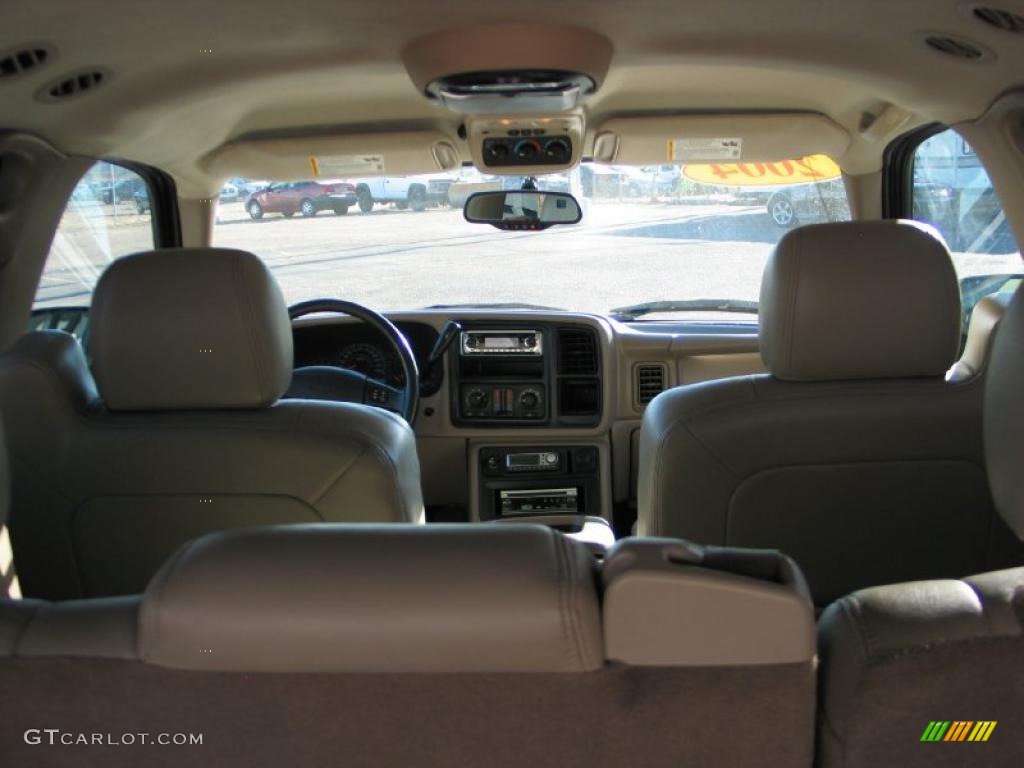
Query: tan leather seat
x=985, y=318
x=418, y=645
x=431, y=646
x=938, y=658
x=853, y=455
x=181, y=431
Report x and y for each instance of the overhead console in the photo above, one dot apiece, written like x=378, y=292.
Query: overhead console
x=530, y=375
x=526, y=144
x=520, y=85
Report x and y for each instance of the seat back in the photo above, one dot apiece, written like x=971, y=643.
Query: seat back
x=938, y=661
x=429, y=646
x=181, y=432
x=853, y=455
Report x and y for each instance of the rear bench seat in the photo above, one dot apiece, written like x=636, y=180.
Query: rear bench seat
x=454, y=645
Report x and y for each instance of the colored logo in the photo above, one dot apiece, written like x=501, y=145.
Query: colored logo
x=958, y=730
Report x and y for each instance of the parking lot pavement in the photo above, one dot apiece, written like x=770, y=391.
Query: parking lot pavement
x=399, y=259
x=622, y=253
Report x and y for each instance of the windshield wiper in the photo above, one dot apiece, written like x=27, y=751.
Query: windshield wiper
x=510, y=305
x=635, y=311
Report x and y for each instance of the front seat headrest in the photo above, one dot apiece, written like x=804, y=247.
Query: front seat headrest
x=1004, y=416
x=190, y=328
x=859, y=300
x=365, y=598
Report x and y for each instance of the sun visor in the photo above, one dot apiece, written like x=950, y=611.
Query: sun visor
x=719, y=138
x=335, y=156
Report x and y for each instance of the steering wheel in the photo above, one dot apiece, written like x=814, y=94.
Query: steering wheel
x=329, y=382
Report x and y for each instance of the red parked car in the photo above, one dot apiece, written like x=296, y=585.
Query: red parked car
x=305, y=197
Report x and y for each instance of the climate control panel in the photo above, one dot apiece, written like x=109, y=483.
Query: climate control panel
x=527, y=147
x=515, y=402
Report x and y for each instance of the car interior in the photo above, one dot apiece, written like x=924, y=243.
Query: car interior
x=581, y=383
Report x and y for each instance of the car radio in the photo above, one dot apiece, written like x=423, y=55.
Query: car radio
x=538, y=480
x=540, y=461
x=502, y=343
x=539, y=501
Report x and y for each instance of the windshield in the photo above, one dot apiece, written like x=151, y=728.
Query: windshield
x=654, y=242
x=658, y=242
x=653, y=236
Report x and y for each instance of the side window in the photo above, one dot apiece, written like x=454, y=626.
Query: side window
x=107, y=216
x=953, y=193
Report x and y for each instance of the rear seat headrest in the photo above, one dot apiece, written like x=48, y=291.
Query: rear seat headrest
x=859, y=300
x=190, y=328
x=1004, y=416
x=360, y=598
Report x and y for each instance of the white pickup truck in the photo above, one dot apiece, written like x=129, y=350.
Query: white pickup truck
x=415, y=192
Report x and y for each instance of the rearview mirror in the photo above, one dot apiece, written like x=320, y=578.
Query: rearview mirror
x=522, y=210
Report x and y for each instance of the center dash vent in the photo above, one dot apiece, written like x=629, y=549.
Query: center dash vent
x=1000, y=19
x=74, y=84
x=956, y=47
x=650, y=382
x=23, y=60
x=577, y=351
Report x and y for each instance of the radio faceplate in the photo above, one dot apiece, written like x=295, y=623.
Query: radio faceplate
x=555, y=501
x=537, y=461
x=500, y=342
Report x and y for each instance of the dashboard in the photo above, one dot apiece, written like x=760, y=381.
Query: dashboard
x=532, y=410
x=361, y=348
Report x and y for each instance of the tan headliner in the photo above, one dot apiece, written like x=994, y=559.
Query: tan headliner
x=284, y=65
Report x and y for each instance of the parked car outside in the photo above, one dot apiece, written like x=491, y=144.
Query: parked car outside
x=305, y=197
x=415, y=192
x=228, y=193
x=665, y=177
x=245, y=186
x=616, y=181
x=469, y=181
x=141, y=199
x=793, y=204
x=123, y=190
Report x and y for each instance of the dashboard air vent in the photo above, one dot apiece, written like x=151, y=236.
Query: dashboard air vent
x=577, y=351
x=955, y=47
x=23, y=61
x=650, y=382
x=1000, y=19
x=73, y=85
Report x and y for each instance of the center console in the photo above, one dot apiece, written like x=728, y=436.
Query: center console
x=538, y=480
x=538, y=376
x=532, y=376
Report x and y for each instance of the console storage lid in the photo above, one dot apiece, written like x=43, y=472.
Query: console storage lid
x=668, y=602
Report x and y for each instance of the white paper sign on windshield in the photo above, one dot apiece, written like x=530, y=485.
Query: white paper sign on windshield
x=705, y=150
x=346, y=165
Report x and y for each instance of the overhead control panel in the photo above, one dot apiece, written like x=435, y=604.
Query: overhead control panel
x=534, y=149
x=522, y=145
